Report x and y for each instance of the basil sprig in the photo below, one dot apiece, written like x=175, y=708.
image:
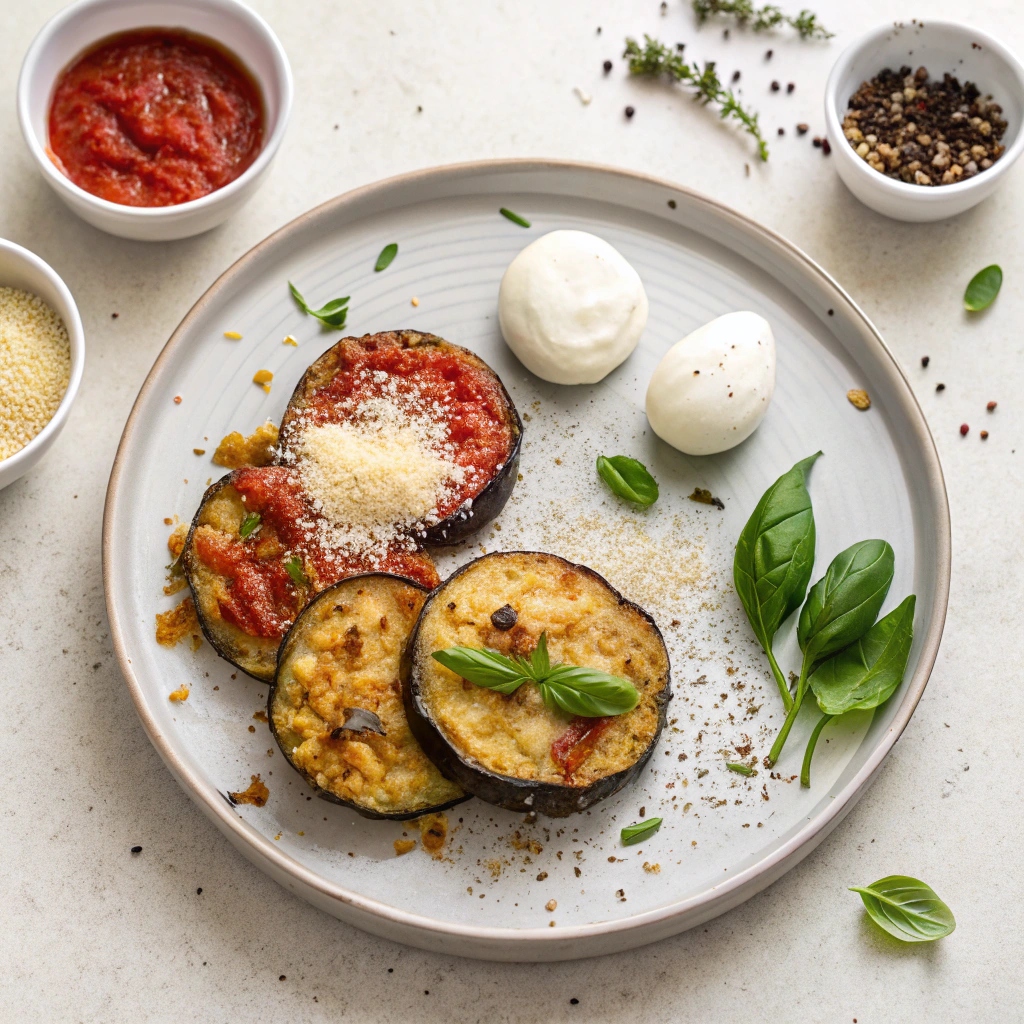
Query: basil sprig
x=640, y=831
x=387, y=254
x=774, y=559
x=628, y=478
x=586, y=692
x=250, y=524
x=840, y=608
x=983, y=288
x=332, y=315
x=865, y=675
x=906, y=908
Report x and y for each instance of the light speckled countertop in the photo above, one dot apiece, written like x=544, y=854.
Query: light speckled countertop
x=89, y=932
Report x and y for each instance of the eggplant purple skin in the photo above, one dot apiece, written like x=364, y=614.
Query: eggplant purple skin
x=504, y=790
x=488, y=504
x=216, y=642
x=283, y=651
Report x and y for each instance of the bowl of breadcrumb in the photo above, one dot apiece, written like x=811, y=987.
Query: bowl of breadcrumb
x=42, y=352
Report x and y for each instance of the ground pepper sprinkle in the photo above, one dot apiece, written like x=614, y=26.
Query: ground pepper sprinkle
x=35, y=367
x=924, y=132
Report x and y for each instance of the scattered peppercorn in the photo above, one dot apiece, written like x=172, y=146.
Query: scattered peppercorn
x=283, y=977
x=199, y=891
x=991, y=406
x=925, y=360
x=671, y=204
x=775, y=86
x=984, y=435
x=924, y=132
x=816, y=142
x=782, y=131
x=790, y=87
x=768, y=55
x=735, y=76
x=136, y=849
x=114, y=316
x=680, y=47
x=964, y=429
x=802, y=129
x=940, y=387
x=725, y=33
x=607, y=67
x=574, y=1001
x=630, y=112
x=826, y=147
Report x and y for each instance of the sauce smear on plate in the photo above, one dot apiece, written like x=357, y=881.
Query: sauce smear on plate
x=155, y=118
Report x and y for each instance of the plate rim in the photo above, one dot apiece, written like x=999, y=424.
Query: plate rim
x=576, y=941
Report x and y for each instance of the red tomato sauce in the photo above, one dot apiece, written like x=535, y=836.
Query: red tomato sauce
x=465, y=397
x=577, y=743
x=262, y=599
x=155, y=118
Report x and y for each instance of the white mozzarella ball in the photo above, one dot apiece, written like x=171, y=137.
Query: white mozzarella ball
x=712, y=389
x=571, y=308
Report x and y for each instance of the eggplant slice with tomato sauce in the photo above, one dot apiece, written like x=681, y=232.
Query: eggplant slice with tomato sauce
x=253, y=562
x=448, y=390
x=513, y=750
x=336, y=705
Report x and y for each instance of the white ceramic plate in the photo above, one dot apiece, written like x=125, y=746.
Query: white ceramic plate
x=724, y=837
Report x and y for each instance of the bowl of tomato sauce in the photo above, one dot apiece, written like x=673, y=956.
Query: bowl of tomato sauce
x=155, y=120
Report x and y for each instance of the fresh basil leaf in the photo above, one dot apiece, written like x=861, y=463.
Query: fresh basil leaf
x=250, y=524
x=514, y=217
x=774, y=559
x=587, y=692
x=387, y=254
x=842, y=606
x=867, y=673
x=805, y=769
x=332, y=315
x=740, y=769
x=640, y=831
x=628, y=478
x=540, y=663
x=294, y=567
x=483, y=668
x=983, y=288
x=906, y=908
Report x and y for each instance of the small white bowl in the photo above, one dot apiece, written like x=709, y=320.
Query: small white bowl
x=939, y=46
x=20, y=268
x=77, y=27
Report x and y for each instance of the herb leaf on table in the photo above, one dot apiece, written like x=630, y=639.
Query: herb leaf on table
x=333, y=314
x=983, y=288
x=639, y=831
x=864, y=675
x=906, y=908
x=840, y=608
x=628, y=478
x=655, y=59
x=387, y=254
x=761, y=18
x=774, y=560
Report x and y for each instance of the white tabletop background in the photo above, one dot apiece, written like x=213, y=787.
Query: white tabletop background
x=89, y=932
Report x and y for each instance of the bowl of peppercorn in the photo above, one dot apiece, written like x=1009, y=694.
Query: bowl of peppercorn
x=925, y=118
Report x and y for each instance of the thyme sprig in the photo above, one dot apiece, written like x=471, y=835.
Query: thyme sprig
x=762, y=19
x=656, y=59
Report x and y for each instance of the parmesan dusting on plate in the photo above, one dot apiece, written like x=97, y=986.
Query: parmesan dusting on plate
x=35, y=367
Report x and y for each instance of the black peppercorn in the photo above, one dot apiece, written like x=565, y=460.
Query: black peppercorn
x=735, y=76
x=826, y=147
x=768, y=55
x=775, y=86
x=940, y=387
x=504, y=618
x=791, y=87
x=630, y=112
x=925, y=360
x=782, y=131
x=607, y=67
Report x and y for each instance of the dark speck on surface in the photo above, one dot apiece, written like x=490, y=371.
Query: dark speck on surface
x=136, y=849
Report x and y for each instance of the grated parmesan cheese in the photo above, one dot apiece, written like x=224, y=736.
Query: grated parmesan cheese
x=378, y=477
x=35, y=367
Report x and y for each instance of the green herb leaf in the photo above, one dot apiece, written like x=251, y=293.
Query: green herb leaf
x=867, y=673
x=842, y=606
x=250, y=524
x=514, y=217
x=761, y=18
x=642, y=830
x=983, y=288
x=332, y=315
x=805, y=770
x=906, y=908
x=294, y=567
x=774, y=560
x=628, y=478
x=587, y=692
x=387, y=254
x=656, y=59
x=483, y=667
x=740, y=769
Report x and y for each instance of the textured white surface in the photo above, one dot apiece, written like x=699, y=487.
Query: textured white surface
x=90, y=932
